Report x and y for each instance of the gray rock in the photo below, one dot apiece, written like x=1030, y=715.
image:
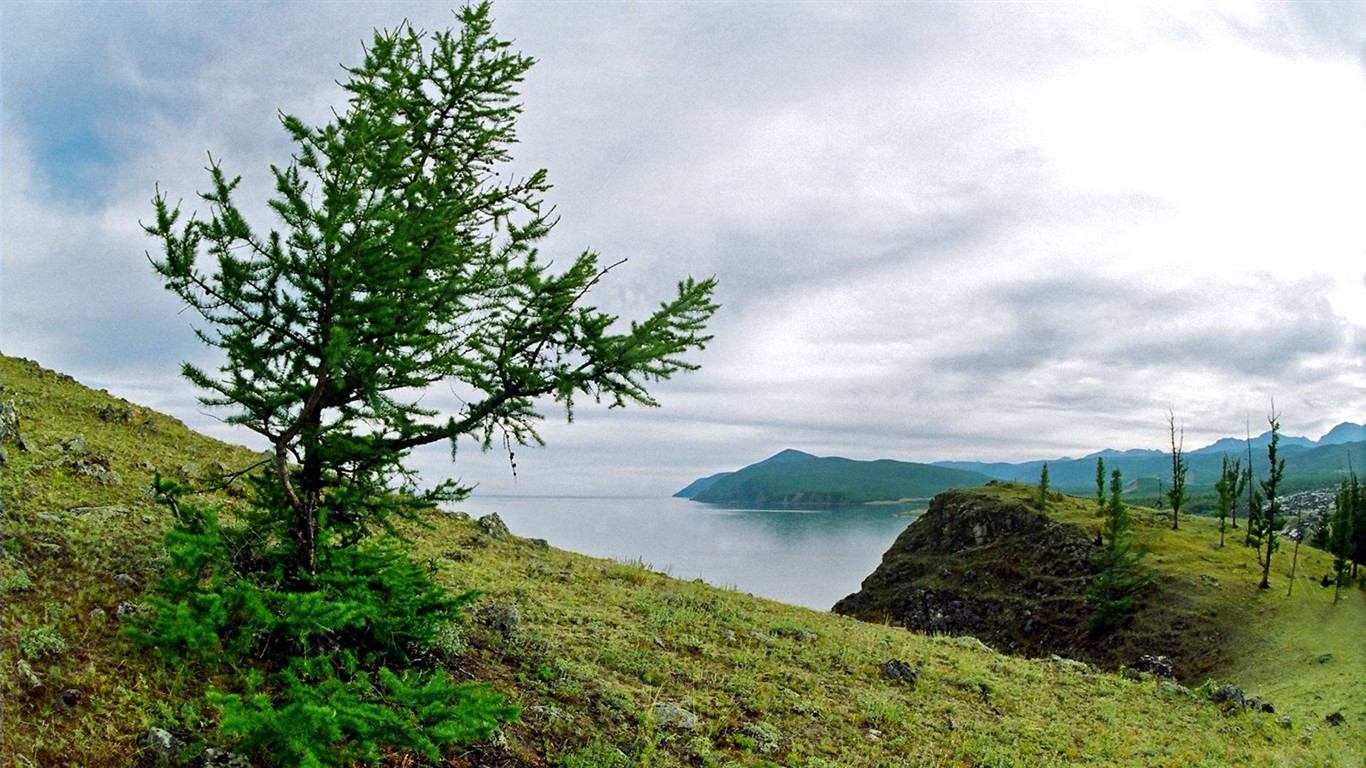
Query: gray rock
x=674, y=717
x=1174, y=688
x=1229, y=697
x=164, y=745
x=1336, y=719
x=126, y=608
x=1325, y=658
x=493, y=526
x=125, y=580
x=899, y=670
x=1157, y=666
x=97, y=614
x=506, y=620
x=69, y=698
x=1283, y=721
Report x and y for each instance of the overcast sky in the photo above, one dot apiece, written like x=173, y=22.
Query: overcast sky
x=966, y=230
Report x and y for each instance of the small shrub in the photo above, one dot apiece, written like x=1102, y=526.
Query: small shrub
x=18, y=581
x=594, y=755
x=41, y=643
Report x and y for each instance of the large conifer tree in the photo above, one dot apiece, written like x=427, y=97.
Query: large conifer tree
x=404, y=257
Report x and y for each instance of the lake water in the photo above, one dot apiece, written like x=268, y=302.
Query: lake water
x=809, y=557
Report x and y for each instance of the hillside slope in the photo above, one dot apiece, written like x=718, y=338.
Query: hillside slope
x=986, y=562
x=614, y=665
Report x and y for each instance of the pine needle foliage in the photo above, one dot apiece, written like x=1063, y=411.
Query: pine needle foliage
x=1262, y=526
x=1342, y=533
x=1119, y=576
x=404, y=257
x=1229, y=486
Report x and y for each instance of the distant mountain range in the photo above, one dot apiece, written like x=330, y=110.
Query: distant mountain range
x=796, y=478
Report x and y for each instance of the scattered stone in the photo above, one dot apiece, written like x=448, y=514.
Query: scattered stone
x=1230, y=697
x=9, y=425
x=672, y=716
x=1174, y=688
x=126, y=608
x=115, y=414
x=1283, y=721
x=1325, y=658
x=1157, y=666
x=94, y=466
x=1336, y=719
x=455, y=514
x=125, y=580
x=27, y=677
x=73, y=445
x=1209, y=580
x=69, y=698
x=506, y=620
x=493, y=526
x=874, y=735
x=164, y=745
x=539, y=543
x=899, y=670
x=97, y=614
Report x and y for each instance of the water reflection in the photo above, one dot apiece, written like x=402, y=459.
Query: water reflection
x=804, y=556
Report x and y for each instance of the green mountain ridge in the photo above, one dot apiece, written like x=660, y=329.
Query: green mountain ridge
x=794, y=478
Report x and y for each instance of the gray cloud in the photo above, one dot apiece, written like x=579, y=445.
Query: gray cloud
x=949, y=230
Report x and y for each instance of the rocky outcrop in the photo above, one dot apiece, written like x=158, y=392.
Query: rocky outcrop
x=987, y=564
x=996, y=570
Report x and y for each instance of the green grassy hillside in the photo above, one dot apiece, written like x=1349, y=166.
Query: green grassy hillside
x=983, y=562
x=612, y=663
x=796, y=478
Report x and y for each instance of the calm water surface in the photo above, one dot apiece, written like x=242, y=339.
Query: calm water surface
x=810, y=557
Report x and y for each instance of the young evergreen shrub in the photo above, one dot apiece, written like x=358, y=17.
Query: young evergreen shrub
x=1119, y=577
x=331, y=665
